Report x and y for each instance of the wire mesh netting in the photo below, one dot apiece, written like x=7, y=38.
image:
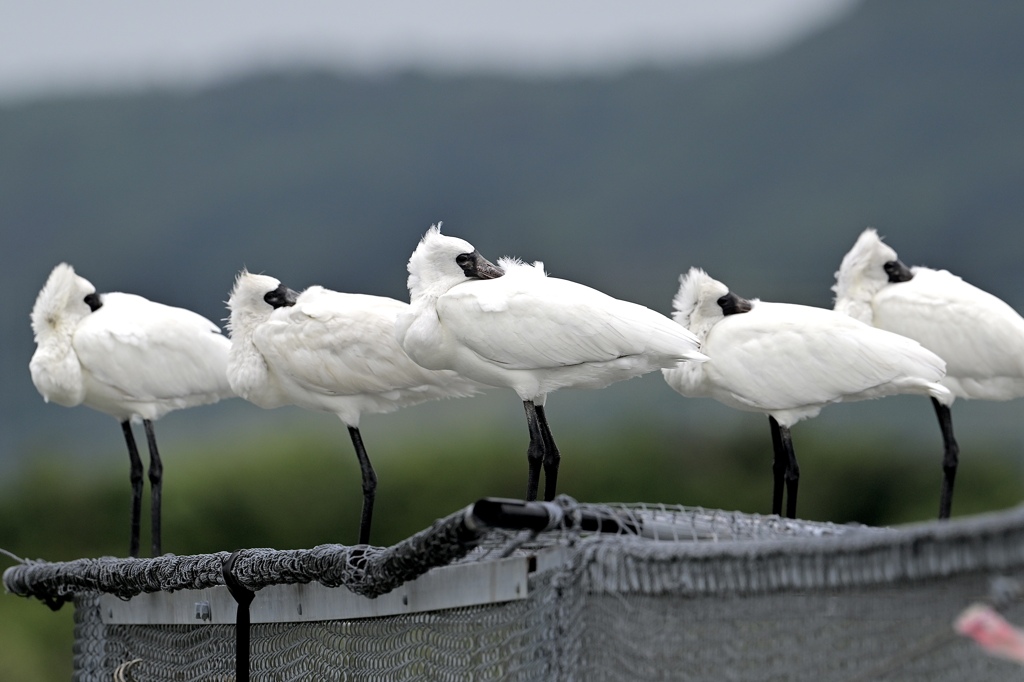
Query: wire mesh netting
x=615, y=592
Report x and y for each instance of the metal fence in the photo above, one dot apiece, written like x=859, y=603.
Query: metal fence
x=588, y=592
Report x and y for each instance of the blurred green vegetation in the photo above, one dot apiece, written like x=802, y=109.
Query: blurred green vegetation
x=291, y=490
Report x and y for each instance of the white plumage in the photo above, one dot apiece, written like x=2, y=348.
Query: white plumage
x=513, y=326
x=979, y=336
x=128, y=357
x=789, y=361
x=328, y=351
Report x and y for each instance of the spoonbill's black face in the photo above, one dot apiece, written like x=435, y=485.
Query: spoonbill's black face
x=731, y=304
x=898, y=272
x=93, y=301
x=478, y=267
x=281, y=297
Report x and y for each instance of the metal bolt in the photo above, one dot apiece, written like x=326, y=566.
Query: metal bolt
x=203, y=610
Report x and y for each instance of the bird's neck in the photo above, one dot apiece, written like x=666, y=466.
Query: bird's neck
x=241, y=326
x=55, y=336
x=700, y=326
x=55, y=327
x=855, y=289
x=246, y=367
x=56, y=372
x=856, y=304
x=419, y=333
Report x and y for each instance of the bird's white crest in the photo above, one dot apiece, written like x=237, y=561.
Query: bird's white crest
x=432, y=266
x=61, y=301
x=695, y=305
x=246, y=301
x=862, y=274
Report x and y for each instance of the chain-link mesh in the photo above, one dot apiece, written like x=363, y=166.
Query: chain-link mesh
x=473, y=643
x=671, y=594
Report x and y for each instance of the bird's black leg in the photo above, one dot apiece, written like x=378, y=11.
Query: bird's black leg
x=369, y=485
x=156, y=486
x=535, y=451
x=779, y=465
x=785, y=470
x=792, y=471
x=551, y=456
x=950, y=457
x=136, y=478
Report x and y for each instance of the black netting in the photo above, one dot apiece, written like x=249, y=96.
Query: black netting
x=667, y=593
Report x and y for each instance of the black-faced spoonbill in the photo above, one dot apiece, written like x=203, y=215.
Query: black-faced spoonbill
x=513, y=326
x=979, y=336
x=789, y=361
x=128, y=357
x=328, y=351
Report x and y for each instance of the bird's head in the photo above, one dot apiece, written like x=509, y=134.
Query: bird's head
x=441, y=262
x=64, y=300
x=254, y=297
x=702, y=301
x=866, y=269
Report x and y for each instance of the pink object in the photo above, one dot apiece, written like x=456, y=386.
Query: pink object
x=992, y=632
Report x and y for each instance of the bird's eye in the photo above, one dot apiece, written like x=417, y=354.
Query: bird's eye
x=463, y=258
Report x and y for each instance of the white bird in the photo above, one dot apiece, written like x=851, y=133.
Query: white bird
x=789, y=361
x=328, y=351
x=980, y=337
x=513, y=326
x=128, y=357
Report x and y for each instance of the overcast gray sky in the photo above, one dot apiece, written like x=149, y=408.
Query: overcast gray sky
x=63, y=45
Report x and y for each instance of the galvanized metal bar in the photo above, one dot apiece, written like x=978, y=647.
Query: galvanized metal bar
x=446, y=587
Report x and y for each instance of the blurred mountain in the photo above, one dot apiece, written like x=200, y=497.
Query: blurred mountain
x=905, y=116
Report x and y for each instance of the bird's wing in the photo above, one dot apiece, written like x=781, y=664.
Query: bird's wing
x=339, y=344
x=977, y=334
x=535, y=322
x=149, y=351
x=783, y=356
